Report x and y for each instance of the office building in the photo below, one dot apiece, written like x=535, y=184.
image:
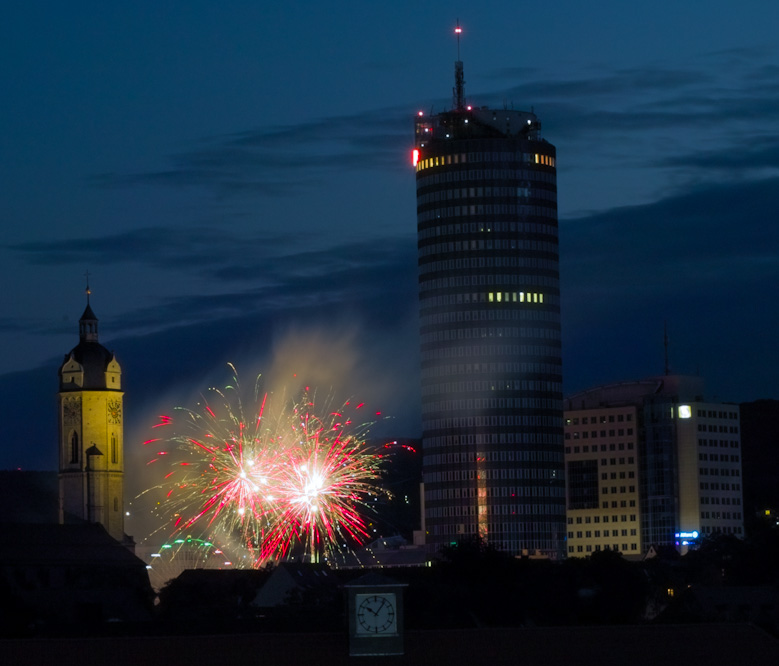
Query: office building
x=650, y=463
x=489, y=303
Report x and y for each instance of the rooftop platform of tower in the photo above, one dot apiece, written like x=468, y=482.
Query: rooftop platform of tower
x=683, y=387
x=472, y=122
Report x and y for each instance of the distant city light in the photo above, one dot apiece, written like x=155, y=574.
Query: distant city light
x=415, y=156
x=421, y=113
x=458, y=29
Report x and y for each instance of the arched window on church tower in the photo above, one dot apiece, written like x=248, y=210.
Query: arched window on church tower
x=74, y=447
x=114, y=450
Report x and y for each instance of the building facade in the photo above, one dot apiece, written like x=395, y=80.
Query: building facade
x=650, y=463
x=91, y=433
x=489, y=302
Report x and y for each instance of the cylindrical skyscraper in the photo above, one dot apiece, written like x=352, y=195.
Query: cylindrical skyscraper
x=489, y=302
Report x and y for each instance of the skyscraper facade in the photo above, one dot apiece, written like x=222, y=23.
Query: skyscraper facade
x=489, y=302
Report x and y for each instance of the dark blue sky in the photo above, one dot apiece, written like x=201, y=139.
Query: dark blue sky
x=237, y=181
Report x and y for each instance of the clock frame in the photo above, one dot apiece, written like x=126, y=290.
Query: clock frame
x=114, y=411
x=376, y=613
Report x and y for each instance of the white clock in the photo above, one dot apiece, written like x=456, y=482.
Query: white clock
x=376, y=614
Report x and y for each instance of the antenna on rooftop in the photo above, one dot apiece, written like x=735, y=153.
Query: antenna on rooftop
x=459, y=81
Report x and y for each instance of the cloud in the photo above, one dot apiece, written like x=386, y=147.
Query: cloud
x=278, y=160
x=711, y=236
x=151, y=246
x=751, y=156
x=705, y=261
x=615, y=84
x=243, y=273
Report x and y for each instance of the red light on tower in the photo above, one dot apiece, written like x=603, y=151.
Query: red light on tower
x=458, y=30
x=415, y=156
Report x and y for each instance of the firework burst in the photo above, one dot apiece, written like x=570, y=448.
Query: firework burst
x=286, y=476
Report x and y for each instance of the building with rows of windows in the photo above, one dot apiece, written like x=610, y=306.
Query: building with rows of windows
x=490, y=329
x=650, y=463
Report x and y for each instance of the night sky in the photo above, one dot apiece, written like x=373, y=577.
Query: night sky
x=237, y=181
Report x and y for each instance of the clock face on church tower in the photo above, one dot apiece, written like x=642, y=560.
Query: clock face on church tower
x=114, y=411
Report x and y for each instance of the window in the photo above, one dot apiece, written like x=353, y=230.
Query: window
x=74, y=447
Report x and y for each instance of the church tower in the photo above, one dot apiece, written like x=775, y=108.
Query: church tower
x=91, y=451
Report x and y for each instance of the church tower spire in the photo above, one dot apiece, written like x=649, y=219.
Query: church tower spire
x=87, y=325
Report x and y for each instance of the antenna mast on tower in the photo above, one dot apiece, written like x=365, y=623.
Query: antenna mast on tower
x=459, y=80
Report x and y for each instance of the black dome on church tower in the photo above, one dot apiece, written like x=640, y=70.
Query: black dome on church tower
x=88, y=365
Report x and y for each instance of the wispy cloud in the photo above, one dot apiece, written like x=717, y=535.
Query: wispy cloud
x=277, y=160
x=246, y=274
x=711, y=235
